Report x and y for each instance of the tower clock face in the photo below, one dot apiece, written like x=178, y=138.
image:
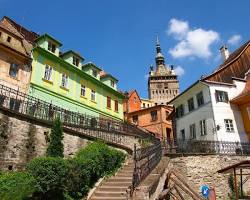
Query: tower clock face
x=159, y=86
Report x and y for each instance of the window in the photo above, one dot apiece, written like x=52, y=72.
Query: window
x=183, y=137
x=0, y=34
x=221, y=96
x=191, y=104
x=203, y=129
x=135, y=100
x=116, y=105
x=83, y=90
x=153, y=115
x=75, y=61
x=229, y=125
x=180, y=111
x=8, y=39
x=148, y=107
x=192, y=131
x=200, y=99
x=51, y=47
x=92, y=95
x=48, y=72
x=135, y=119
x=65, y=80
x=112, y=83
x=13, y=70
x=143, y=105
x=108, y=102
x=94, y=72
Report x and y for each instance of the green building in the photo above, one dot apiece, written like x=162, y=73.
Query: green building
x=63, y=80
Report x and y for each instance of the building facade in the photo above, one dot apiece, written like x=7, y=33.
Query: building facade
x=154, y=119
x=163, y=84
x=204, y=111
x=16, y=44
x=243, y=102
x=63, y=79
x=146, y=103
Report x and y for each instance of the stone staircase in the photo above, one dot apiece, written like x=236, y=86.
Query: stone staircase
x=115, y=187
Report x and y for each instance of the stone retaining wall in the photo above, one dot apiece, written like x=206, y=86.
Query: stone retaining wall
x=22, y=139
x=200, y=170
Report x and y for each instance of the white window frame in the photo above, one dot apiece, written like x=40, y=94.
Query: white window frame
x=192, y=130
x=93, y=95
x=48, y=73
x=83, y=90
x=203, y=128
x=229, y=126
x=65, y=78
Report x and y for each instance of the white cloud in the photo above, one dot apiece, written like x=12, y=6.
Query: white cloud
x=178, y=28
x=234, y=40
x=191, y=42
x=179, y=71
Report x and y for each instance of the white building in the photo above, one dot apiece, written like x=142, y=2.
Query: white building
x=203, y=111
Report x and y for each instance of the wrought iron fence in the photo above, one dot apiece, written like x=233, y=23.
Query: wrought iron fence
x=145, y=158
x=207, y=147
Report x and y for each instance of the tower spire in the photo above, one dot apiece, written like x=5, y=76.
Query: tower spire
x=159, y=58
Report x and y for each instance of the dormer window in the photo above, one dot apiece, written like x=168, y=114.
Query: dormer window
x=75, y=61
x=8, y=39
x=94, y=73
x=112, y=83
x=51, y=47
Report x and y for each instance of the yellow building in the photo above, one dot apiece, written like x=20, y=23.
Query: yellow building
x=147, y=103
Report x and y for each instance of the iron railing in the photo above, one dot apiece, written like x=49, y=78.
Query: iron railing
x=207, y=147
x=116, y=132
x=145, y=160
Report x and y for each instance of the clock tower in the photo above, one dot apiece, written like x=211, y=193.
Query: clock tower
x=163, y=84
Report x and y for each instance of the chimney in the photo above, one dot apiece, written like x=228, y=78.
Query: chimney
x=224, y=52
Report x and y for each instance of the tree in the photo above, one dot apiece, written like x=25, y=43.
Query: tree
x=55, y=148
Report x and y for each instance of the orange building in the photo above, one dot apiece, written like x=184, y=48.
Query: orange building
x=155, y=119
x=131, y=103
x=16, y=44
x=243, y=101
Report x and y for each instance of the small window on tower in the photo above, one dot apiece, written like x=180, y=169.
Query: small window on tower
x=8, y=39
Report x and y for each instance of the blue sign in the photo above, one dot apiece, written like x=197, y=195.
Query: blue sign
x=205, y=191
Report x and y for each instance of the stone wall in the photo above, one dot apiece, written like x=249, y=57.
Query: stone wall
x=21, y=140
x=200, y=170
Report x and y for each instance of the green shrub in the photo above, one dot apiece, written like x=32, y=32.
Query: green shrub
x=16, y=185
x=50, y=175
x=78, y=178
x=55, y=148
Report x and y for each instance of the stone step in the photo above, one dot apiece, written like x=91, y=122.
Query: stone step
x=116, y=188
x=112, y=184
x=124, y=174
x=109, y=194
x=108, y=198
x=120, y=179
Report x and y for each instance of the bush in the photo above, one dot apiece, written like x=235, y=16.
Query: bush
x=90, y=164
x=55, y=148
x=16, y=185
x=50, y=175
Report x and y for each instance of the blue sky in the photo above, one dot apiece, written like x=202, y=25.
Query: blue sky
x=119, y=35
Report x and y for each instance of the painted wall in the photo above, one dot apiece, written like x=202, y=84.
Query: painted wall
x=225, y=110
x=70, y=98
x=203, y=112
x=246, y=117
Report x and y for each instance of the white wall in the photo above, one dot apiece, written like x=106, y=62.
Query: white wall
x=225, y=110
x=203, y=112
